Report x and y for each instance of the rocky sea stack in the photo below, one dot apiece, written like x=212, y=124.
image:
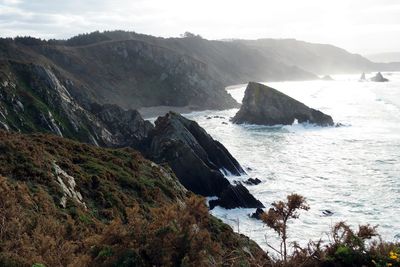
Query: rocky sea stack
x=379, y=78
x=267, y=106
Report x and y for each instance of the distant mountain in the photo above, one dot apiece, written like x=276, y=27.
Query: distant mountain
x=385, y=57
x=136, y=70
x=320, y=59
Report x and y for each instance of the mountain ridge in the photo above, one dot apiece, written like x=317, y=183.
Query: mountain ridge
x=135, y=70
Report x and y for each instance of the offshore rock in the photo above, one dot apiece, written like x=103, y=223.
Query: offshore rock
x=267, y=106
x=379, y=78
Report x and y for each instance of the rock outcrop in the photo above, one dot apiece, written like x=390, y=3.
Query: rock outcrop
x=127, y=126
x=267, y=106
x=379, y=78
x=362, y=78
x=235, y=196
x=257, y=214
x=252, y=181
x=198, y=160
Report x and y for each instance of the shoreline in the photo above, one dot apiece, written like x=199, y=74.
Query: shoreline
x=156, y=111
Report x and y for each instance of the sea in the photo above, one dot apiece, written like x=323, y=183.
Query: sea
x=349, y=173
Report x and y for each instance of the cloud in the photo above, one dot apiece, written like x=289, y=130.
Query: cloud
x=349, y=24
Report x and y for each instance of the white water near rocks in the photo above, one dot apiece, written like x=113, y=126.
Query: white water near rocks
x=353, y=171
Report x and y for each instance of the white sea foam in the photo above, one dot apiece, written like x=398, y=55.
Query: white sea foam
x=353, y=171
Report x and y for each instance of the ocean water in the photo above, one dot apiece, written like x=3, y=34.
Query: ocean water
x=353, y=170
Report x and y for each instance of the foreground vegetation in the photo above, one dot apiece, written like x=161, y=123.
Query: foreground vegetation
x=346, y=247
x=131, y=212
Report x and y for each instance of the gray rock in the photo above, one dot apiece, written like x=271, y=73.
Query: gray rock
x=236, y=196
x=257, y=214
x=127, y=126
x=379, y=78
x=252, y=181
x=267, y=106
x=362, y=78
x=195, y=157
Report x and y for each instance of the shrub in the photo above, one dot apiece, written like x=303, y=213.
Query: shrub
x=277, y=217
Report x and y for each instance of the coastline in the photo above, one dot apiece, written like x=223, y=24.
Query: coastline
x=156, y=111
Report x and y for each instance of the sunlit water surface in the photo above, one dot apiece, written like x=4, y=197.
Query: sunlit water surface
x=353, y=171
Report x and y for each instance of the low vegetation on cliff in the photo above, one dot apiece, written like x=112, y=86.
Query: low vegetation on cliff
x=63, y=203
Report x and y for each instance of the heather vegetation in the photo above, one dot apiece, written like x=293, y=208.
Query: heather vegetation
x=132, y=212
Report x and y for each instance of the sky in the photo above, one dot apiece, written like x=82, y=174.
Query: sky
x=360, y=26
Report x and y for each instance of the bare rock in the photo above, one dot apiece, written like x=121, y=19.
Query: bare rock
x=267, y=106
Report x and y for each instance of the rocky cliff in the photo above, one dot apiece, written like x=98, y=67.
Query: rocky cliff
x=33, y=99
x=130, y=73
x=198, y=161
x=266, y=106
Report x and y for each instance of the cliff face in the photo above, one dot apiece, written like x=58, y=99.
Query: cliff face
x=64, y=203
x=128, y=73
x=266, y=106
x=33, y=99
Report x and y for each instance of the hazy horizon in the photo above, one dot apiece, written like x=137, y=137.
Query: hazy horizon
x=364, y=27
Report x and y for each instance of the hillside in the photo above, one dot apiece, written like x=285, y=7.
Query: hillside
x=320, y=59
x=128, y=73
x=135, y=70
x=64, y=203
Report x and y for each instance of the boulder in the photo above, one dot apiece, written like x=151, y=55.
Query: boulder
x=236, y=196
x=257, y=214
x=252, y=181
x=198, y=160
x=379, y=78
x=267, y=106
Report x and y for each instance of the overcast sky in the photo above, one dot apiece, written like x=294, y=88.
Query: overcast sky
x=360, y=26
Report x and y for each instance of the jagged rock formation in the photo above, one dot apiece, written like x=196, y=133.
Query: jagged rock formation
x=267, y=106
x=126, y=126
x=65, y=203
x=362, y=78
x=33, y=99
x=198, y=160
x=379, y=78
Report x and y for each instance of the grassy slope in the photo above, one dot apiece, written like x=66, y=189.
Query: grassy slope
x=137, y=213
